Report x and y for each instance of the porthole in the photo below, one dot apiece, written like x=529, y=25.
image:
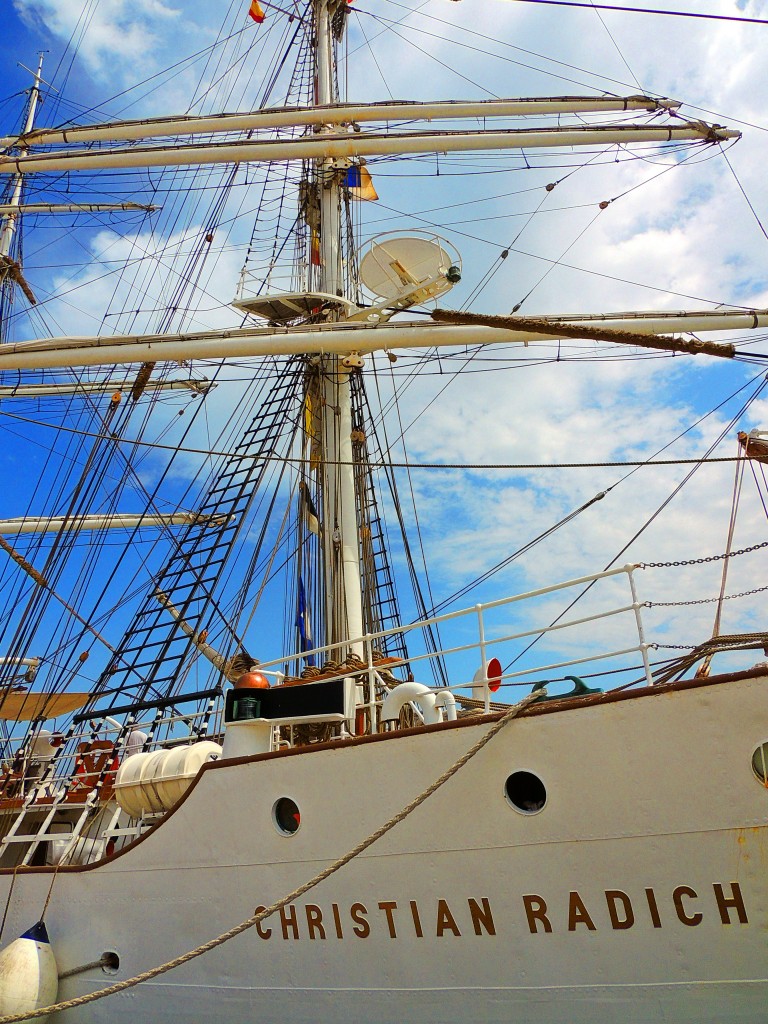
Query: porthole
x=286, y=816
x=526, y=792
x=760, y=764
x=110, y=962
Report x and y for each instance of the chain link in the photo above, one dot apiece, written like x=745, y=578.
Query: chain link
x=704, y=600
x=702, y=561
x=671, y=647
x=695, y=647
x=719, y=644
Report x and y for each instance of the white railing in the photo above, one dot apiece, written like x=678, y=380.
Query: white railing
x=263, y=282
x=34, y=772
x=69, y=778
x=489, y=639
x=479, y=634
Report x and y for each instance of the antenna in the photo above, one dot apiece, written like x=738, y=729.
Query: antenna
x=403, y=270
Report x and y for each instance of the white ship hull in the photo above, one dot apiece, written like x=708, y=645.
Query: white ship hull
x=638, y=893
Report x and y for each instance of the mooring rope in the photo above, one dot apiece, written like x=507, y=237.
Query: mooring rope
x=255, y=919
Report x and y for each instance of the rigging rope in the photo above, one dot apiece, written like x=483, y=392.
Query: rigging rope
x=382, y=464
x=257, y=918
x=744, y=193
x=758, y=391
x=646, y=10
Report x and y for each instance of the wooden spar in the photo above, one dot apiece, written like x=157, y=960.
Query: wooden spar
x=6, y=208
x=351, y=145
x=755, y=445
x=345, y=338
x=197, y=387
x=114, y=521
x=229, y=667
x=42, y=582
x=28, y=568
x=333, y=113
x=560, y=329
x=14, y=271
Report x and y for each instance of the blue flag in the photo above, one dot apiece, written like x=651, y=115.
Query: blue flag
x=302, y=622
x=359, y=182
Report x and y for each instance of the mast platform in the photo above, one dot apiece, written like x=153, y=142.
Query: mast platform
x=284, y=307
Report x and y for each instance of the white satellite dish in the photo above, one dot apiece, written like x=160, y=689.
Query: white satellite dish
x=402, y=270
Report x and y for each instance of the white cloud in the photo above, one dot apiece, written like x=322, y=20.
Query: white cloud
x=110, y=35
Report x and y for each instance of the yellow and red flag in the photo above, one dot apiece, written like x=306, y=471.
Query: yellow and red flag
x=315, y=258
x=256, y=12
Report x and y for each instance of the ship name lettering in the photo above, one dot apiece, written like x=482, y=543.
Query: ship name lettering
x=313, y=923
x=288, y=920
x=685, y=903
x=416, y=919
x=358, y=913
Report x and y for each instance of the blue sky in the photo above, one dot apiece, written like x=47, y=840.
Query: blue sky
x=673, y=236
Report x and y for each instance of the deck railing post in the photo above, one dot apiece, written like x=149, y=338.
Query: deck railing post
x=483, y=658
x=371, y=673
x=638, y=619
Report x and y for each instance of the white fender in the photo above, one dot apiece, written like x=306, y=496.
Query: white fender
x=405, y=692
x=29, y=977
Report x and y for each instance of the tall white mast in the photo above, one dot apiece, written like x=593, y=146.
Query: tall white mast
x=9, y=218
x=344, y=608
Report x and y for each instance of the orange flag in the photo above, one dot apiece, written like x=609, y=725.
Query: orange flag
x=256, y=12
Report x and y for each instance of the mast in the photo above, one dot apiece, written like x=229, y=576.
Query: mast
x=9, y=268
x=341, y=550
x=9, y=224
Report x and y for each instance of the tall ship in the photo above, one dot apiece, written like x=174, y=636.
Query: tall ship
x=374, y=645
